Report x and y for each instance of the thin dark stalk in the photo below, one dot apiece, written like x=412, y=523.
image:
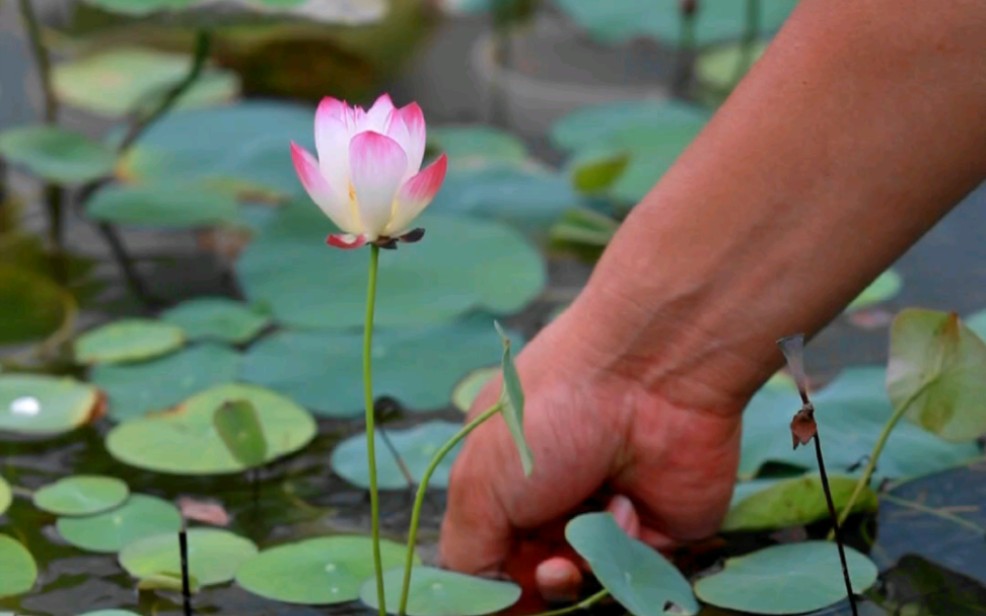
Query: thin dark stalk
x=126, y=264
x=186, y=591
x=835, y=524
x=685, y=53
x=401, y=464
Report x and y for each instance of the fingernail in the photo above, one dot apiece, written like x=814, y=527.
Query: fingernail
x=625, y=515
x=558, y=580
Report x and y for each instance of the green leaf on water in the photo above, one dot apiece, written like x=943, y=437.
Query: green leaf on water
x=237, y=424
x=127, y=340
x=138, y=517
x=512, y=402
x=637, y=576
x=56, y=154
x=476, y=145
x=81, y=495
x=214, y=555
x=437, y=592
x=163, y=206
x=18, y=571
x=786, y=579
x=5, y=496
x=886, y=286
x=45, y=405
x=595, y=175
x=217, y=318
x=167, y=580
x=584, y=227
x=937, y=370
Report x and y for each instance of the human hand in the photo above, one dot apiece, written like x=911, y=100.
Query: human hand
x=600, y=440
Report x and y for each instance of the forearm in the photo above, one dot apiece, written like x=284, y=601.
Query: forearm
x=861, y=126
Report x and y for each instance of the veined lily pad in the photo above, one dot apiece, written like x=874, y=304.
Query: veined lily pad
x=81, y=495
x=477, y=145
x=792, y=502
x=217, y=318
x=214, y=555
x=416, y=447
x=56, y=154
x=437, y=592
x=851, y=412
x=140, y=516
x=18, y=571
x=5, y=496
x=35, y=404
x=32, y=306
x=418, y=366
x=127, y=340
x=642, y=580
x=886, y=286
x=319, y=571
x=155, y=442
x=158, y=384
x=463, y=265
x=116, y=81
x=937, y=370
x=786, y=579
x=468, y=388
x=163, y=206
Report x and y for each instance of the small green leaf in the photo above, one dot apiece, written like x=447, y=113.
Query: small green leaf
x=637, y=576
x=512, y=401
x=56, y=155
x=937, y=370
x=786, y=579
x=237, y=424
x=127, y=340
x=38, y=404
x=437, y=592
x=595, y=175
x=18, y=571
x=81, y=495
x=5, y=496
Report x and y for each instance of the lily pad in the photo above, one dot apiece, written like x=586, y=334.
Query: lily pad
x=156, y=442
x=886, y=286
x=5, y=496
x=217, y=318
x=437, y=592
x=214, y=555
x=462, y=265
x=786, y=579
x=18, y=571
x=851, y=412
x=793, y=502
x=418, y=366
x=595, y=125
x=163, y=206
x=81, y=495
x=477, y=145
x=127, y=340
x=36, y=404
x=31, y=306
x=140, y=516
x=238, y=426
x=319, y=571
x=136, y=389
x=642, y=580
x=110, y=613
x=469, y=387
x=512, y=404
x=115, y=82
x=620, y=22
x=349, y=12
x=937, y=371
x=56, y=154
x=416, y=447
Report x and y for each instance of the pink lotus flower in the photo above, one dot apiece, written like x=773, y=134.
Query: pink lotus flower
x=368, y=178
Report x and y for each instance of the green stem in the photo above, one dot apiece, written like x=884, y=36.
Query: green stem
x=864, y=479
x=584, y=604
x=419, y=498
x=751, y=32
x=951, y=517
x=371, y=454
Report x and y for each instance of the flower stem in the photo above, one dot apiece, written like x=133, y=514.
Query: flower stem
x=419, y=498
x=835, y=524
x=584, y=604
x=371, y=454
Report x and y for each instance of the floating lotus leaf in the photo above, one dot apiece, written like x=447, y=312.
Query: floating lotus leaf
x=217, y=318
x=127, y=340
x=5, y=496
x=225, y=11
x=791, y=502
x=462, y=265
x=138, y=517
x=886, y=286
x=477, y=145
x=626, y=20
x=81, y=495
x=56, y=154
x=110, y=613
x=418, y=366
x=36, y=404
x=154, y=442
x=719, y=68
x=786, y=579
x=244, y=145
x=466, y=390
x=163, y=206
x=319, y=571
x=641, y=579
x=595, y=125
x=158, y=384
x=937, y=371
x=115, y=82
x=31, y=306
x=437, y=592
x=214, y=555
x=416, y=447
x=851, y=412
x=18, y=570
